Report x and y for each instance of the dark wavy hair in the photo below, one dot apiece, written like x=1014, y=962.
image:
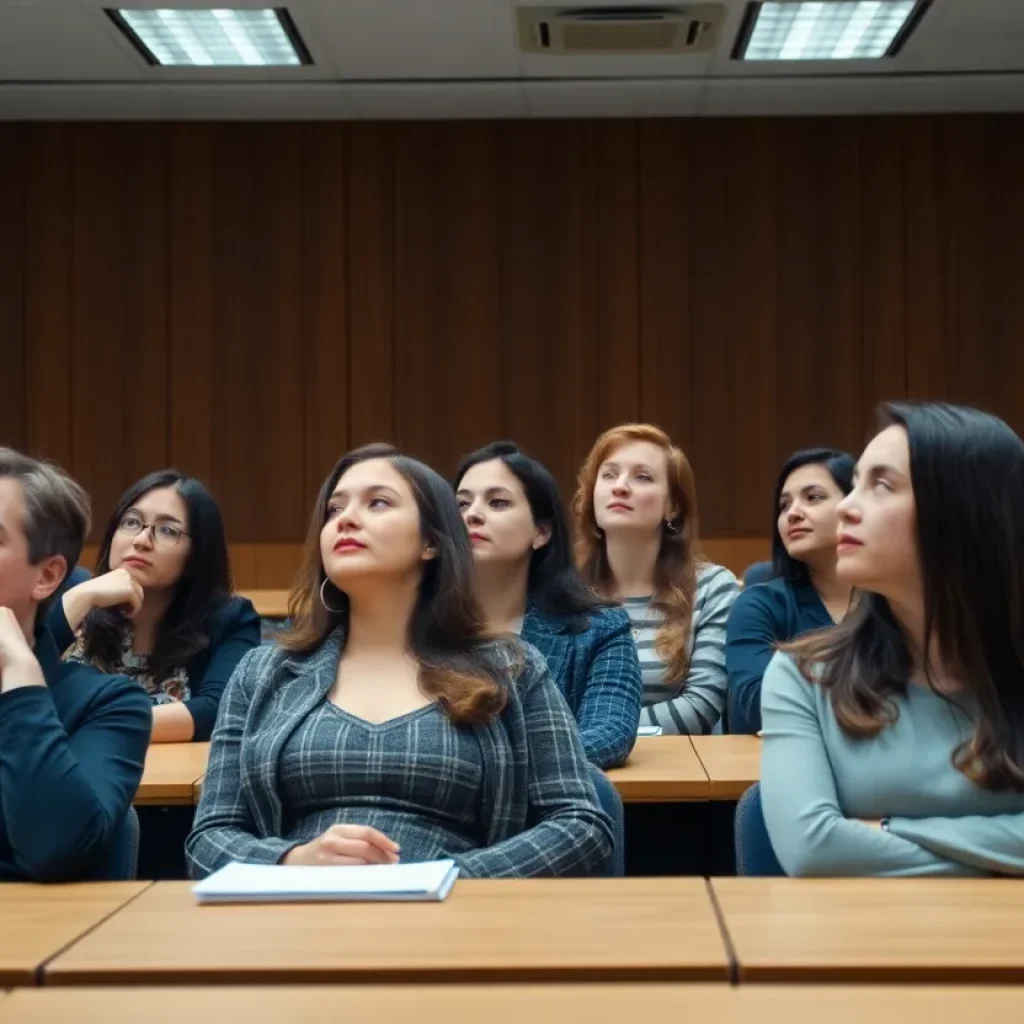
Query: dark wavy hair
x=554, y=582
x=967, y=471
x=205, y=584
x=840, y=466
x=462, y=666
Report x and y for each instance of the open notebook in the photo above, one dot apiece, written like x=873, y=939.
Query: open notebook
x=430, y=881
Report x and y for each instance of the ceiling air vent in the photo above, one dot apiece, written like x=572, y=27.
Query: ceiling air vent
x=593, y=31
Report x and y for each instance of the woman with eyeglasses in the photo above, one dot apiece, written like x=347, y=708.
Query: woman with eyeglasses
x=160, y=608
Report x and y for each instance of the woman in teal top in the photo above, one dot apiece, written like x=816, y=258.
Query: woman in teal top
x=894, y=744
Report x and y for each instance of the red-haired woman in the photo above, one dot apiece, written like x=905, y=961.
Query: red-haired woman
x=636, y=524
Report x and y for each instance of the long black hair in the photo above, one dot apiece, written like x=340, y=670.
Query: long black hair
x=447, y=633
x=554, y=583
x=840, y=466
x=204, y=587
x=967, y=472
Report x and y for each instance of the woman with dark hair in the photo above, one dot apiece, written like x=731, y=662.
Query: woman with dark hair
x=528, y=585
x=894, y=743
x=635, y=514
x=804, y=592
x=160, y=608
x=390, y=724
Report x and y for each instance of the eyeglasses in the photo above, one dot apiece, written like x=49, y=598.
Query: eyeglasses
x=164, y=535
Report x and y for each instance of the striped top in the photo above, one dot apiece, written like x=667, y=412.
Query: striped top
x=692, y=705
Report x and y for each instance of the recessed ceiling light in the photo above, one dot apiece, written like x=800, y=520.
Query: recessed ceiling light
x=827, y=29
x=213, y=38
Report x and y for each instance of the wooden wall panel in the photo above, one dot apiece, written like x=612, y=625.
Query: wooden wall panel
x=250, y=300
x=739, y=382
x=446, y=290
x=49, y=387
x=240, y=277
x=118, y=314
x=883, y=261
x=371, y=283
x=325, y=300
x=548, y=321
x=13, y=410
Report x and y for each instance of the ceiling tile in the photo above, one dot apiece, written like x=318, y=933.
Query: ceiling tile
x=612, y=99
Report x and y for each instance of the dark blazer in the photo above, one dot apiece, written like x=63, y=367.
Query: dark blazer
x=539, y=814
x=763, y=617
x=233, y=631
x=71, y=756
x=598, y=673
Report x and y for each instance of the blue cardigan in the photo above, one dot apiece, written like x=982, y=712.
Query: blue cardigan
x=71, y=756
x=763, y=617
x=233, y=631
x=599, y=675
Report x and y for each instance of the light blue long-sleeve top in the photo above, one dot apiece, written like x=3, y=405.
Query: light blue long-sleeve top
x=819, y=786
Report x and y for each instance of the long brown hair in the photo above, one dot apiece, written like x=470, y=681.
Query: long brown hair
x=967, y=471
x=462, y=667
x=675, y=574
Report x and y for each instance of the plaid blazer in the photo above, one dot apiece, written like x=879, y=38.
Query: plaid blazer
x=598, y=672
x=541, y=812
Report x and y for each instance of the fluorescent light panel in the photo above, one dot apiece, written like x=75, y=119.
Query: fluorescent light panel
x=825, y=30
x=216, y=37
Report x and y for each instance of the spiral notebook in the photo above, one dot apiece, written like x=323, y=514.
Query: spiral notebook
x=426, y=882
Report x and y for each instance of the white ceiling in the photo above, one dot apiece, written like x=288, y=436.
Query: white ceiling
x=64, y=59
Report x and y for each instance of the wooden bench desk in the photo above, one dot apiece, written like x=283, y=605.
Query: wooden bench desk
x=602, y=929
x=661, y=769
x=38, y=921
x=653, y=1003
x=921, y=930
x=269, y=604
x=732, y=763
x=171, y=772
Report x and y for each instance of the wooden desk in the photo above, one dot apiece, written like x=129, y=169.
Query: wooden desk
x=513, y=1004
x=875, y=930
x=269, y=604
x=38, y=921
x=733, y=763
x=661, y=769
x=171, y=772
x=602, y=929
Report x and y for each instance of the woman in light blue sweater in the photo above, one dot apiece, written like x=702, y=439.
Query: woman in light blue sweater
x=894, y=744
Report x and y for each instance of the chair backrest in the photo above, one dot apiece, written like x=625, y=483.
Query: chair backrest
x=611, y=803
x=124, y=857
x=754, y=853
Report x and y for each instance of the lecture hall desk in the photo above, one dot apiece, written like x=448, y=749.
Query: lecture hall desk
x=661, y=769
x=600, y=929
x=38, y=921
x=171, y=772
x=513, y=1004
x=732, y=763
x=921, y=930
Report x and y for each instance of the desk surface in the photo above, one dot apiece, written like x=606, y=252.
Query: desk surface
x=38, y=921
x=875, y=930
x=733, y=763
x=514, y=1004
x=170, y=773
x=628, y=929
x=661, y=769
x=269, y=604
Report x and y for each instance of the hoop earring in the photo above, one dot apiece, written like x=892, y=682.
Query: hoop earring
x=671, y=527
x=333, y=611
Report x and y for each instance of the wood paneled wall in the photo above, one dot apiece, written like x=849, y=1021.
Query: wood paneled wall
x=248, y=301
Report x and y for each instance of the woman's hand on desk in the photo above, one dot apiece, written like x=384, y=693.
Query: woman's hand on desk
x=346, y=845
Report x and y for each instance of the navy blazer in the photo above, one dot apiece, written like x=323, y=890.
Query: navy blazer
x=71, y=757
x=763, y=617
x=598, y=673
x=233, y=631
